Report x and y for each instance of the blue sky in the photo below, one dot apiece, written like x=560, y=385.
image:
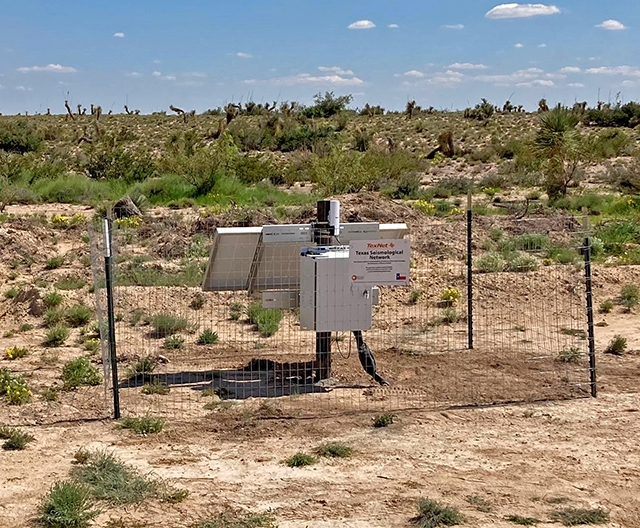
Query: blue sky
x=200, y=54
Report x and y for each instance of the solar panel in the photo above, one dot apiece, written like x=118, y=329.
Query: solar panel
x=268, y=258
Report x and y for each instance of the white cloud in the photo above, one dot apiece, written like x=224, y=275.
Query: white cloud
x=629, y=71
x=536, y=82
x=243, y=55
x=156, y=74
x=466, y=66
x=196, y=74
x=628, y=83
x=521, y=10
x=24, y=88
x=54, y=68
x=542, y=45
x=570, y=69
x=518, y=45
x=362, y=24
x=414, y=73
x=575, y=85
x=334, y=69
x=447, y=78
x=118, y=35
x=393, y=26
x=169, y=77
x=157, y=61
x=134, y=74
x=307, y=78
x=612, y=25
x=529, y=75
x=453, y=26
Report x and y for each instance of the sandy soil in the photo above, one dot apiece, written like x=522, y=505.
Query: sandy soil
x=523, y=459
x=526, y=459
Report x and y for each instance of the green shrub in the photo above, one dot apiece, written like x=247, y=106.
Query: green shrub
x=143, y=425
x=576, y=516
x=334, y=450
x=606, y=306
x=53, y=317
x=174, y=342
x=56, y=336
x=570, y=355
x=142, y=367
x=208, y=337
x=114, y=162
x=14, y=388
x=78, y=315
x=165, y=324
x=54, y=262
x=490, y=263
x=414, y=296
x=521, y=262
x=629, y=295
x=19, y=137
x=110, y=480
x=449, y=316
x=15, y=440
x=155, y=387
x=300, y=460
x=524, y=521
x=617, y=235
x=384, y=420
x=67, y=505
x=239, y=520
x=198, y=301
x=328, y=105
x=16, y=352
x=266, y=320
x=432, y=514
x=235, y=311
x=12, y=292
x=72, y=283
x=78, y=372
x=52, y=299
x=617, y=346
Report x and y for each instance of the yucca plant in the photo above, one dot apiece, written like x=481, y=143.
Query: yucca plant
x=559, y=148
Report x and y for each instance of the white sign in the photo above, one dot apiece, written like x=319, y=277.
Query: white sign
x=379, y=262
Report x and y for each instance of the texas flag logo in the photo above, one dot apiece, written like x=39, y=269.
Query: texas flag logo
x=401, y=277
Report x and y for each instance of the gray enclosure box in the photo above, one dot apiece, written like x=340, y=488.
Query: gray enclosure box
x=329, y=301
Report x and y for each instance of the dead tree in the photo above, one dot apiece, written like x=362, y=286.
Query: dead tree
x=79, y=109
x=92, y=109
x=177, y=110
x=69, y=112
x=232, y=111
x=542, y=106
x=48, y=111
x=126, y=109
x=98, y=112
x=411, y=108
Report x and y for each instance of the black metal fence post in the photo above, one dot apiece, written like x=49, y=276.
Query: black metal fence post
x=322, y=237
x=469, y=272
x=590, y=325
x=111, y=318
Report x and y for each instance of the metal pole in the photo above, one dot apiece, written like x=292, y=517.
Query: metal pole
x=111, y=319
x=469, y=273
x=590, y=325
x=322, y=237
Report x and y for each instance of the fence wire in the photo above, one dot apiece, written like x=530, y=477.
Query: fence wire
x=187, y=352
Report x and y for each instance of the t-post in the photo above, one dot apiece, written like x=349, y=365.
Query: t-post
x=111, y=318
x=322, y=237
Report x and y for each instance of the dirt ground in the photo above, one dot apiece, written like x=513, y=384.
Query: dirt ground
x=528, y=459
x=523, y=459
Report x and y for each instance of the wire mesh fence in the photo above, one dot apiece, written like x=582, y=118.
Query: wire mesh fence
x=187, y=352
